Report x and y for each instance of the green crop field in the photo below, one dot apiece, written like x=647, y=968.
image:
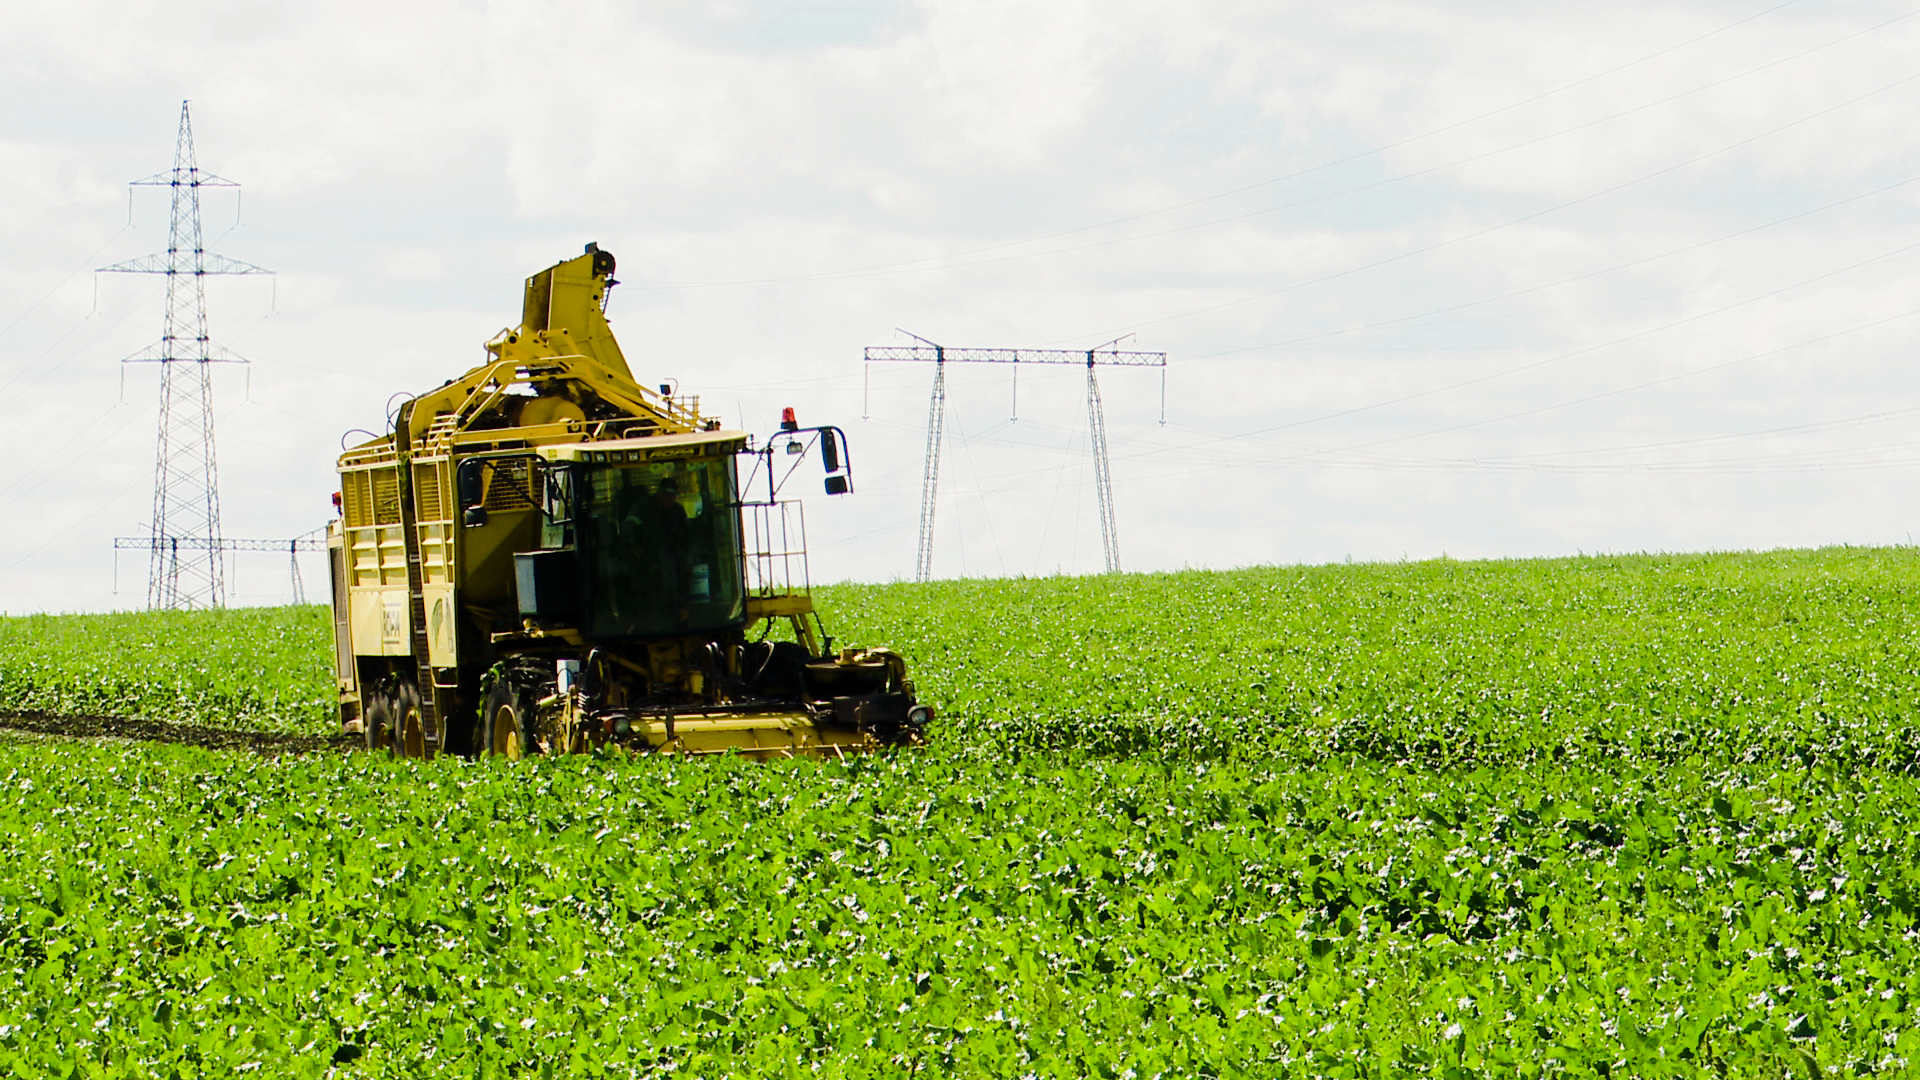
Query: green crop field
x=1636, y=816
x=256, y=668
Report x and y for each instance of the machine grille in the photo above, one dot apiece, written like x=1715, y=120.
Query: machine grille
x=429, y=500
x=356, y=503
x=513, y=485
x=386, y=496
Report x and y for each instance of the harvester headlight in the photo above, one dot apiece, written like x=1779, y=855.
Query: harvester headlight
x=920, y=716
x=622, y=726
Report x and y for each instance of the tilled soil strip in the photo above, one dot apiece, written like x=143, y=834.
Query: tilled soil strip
x=120, y=727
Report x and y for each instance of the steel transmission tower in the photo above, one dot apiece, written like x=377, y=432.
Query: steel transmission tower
x=1096, y=421
x=930, y=474
x=186, y=552
x=1102, y=472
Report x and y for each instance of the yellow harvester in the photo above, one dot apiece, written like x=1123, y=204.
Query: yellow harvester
x=544, y=556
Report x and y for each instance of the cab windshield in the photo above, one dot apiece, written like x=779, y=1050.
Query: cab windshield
x=660, y=543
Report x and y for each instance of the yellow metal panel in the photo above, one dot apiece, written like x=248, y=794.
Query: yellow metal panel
x=363, y=556
x=357, y=498
x=441, y=618
x=777, y=735
x=653, y=448
x=338, y=572
x=379, y=619
x=392, y=557
x=774, y=607
x=566, y=300
x=436, y=552
x=429, y=494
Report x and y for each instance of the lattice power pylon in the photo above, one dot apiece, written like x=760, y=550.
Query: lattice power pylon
x=930, y=473
x=940, y=356
x=186, y=553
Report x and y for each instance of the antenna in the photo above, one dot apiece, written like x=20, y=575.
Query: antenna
x=1096, y=420
x=186, y=484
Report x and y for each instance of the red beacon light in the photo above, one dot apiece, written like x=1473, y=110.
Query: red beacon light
x=787, y=420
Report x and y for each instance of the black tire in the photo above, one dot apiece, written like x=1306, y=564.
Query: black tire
x=377, y=722
x=505, y=725
x=410, y=735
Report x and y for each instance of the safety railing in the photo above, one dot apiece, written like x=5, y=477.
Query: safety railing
x=776, y=549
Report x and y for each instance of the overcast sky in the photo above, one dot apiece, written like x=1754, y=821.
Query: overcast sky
x=1483, y=279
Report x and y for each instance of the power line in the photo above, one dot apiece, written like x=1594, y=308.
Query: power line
x=218, y=547
x=35, y=306
x=1191, y=449
x=1323, y=452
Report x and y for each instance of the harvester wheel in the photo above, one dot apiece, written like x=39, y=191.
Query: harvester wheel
x=506, y=721
x=378, y=721
x=409, y=723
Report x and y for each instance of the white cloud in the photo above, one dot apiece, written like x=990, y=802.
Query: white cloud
x=1283, y=197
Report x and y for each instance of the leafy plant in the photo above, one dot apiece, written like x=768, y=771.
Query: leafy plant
x=1648, y=816
x=256, y=668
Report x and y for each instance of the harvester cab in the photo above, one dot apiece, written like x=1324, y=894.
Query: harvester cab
x=545, y=556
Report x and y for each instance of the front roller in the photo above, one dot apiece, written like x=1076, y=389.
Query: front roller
x=800, y=733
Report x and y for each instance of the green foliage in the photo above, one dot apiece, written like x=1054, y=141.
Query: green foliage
x=1650, y=816
x=195, y=915
x=255, y=668
x=1785, y=657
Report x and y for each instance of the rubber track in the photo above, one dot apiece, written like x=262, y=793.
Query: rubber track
x=161, y=731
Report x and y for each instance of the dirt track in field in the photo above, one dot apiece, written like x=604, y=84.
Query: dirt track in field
x=212, y=738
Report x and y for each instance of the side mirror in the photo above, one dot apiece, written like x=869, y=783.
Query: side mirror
x=470, y=484
x=839, y=466
x=553, y=480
